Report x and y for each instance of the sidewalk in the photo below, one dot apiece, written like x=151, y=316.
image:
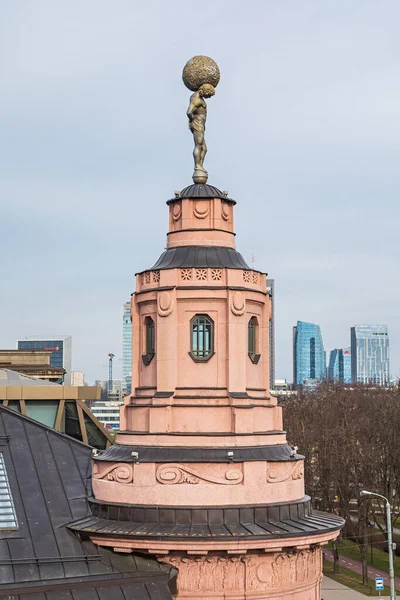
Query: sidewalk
x=332, y=590
x=355, y=565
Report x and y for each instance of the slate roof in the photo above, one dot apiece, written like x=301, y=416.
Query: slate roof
x=49, y=475
x=200, y=256
x=201, y=190
x=123, y=453
x=271, y=521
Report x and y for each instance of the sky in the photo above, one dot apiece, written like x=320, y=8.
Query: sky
x=303, y=132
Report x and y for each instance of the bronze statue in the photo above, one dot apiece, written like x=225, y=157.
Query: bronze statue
x=201, y=75
x=197, y=114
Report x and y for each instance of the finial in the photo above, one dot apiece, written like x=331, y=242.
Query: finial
x=200, y=75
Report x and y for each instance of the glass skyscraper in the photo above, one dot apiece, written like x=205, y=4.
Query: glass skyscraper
x=61, y=351
x=127, y=348
x=370, y=354
x=339, y=368
x=309, y=359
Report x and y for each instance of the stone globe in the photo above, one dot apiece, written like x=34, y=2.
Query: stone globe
x=200, y=70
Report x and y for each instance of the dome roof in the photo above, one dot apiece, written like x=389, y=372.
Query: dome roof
x=200, y=256
x=201, y=190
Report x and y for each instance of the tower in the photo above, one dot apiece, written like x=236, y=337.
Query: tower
x=309, y=358
x=127, y=348
x=339, y=368
x=370, y=359
x=201, y=475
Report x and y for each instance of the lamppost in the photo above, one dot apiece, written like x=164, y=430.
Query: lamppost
x=390, y=540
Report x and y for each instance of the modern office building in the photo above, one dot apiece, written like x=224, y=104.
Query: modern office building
x=271, y=292
x=107, y=413
x=127, y=348
x=309, y=359
x=370, y=361
x=60, y=347
x=339, y=368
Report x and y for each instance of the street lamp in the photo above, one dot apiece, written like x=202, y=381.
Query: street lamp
x=390, y=540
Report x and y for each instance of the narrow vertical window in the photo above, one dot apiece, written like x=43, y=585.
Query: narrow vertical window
x=201, y=338
x=252, y=340
x=149, y=340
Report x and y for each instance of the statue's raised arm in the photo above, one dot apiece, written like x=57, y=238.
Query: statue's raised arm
x=201, y=75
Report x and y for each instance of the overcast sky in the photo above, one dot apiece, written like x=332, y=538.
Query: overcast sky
x=303, y=131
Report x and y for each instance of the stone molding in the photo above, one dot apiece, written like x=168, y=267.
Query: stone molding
x=238, y=303
x=293, y=471
x=224, y=575
x=165, y=304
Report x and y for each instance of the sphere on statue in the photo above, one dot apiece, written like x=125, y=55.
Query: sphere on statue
x=200, y=70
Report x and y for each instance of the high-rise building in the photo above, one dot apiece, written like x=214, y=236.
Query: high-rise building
x=309, y=359
x=370, y=354
x=339, y=368
x=60, y=347
x=127, y=348
x=271, y=292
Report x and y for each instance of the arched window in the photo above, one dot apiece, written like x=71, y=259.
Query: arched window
x=149, y=340
x=201, y=338
x=252, y=337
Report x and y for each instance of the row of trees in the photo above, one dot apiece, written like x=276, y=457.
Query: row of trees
x=350, y=436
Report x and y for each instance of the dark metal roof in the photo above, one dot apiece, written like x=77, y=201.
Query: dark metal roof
x=201, y=190
x=268, y=521
x=106, y=590
x=274, y=453
x=200, y=256
x=49, y=475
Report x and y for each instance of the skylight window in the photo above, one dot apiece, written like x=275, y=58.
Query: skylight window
x=8, y=517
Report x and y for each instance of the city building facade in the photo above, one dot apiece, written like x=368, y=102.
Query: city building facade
x=127, y=348
x=339, y=368
x=77, y=378
x=271, y=292
x=370, y=357
x=61, y=351
x=107, y=413
x=309, y=358
x=35, y=363
x=116, y=393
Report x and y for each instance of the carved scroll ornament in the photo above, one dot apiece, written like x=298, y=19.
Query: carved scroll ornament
x=293, y=471
x=174, y=473
x=122, y=473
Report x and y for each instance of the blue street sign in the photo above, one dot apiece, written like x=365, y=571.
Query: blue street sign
x=379, y=583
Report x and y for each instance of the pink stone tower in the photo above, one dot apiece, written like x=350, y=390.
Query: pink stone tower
x=201, y=475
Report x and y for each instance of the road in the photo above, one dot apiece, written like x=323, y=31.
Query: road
x=356, y=566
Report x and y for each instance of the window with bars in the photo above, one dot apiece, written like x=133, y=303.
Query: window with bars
x=8, y=516
x=149, y=332
x=201, y=338
x=252, y=332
